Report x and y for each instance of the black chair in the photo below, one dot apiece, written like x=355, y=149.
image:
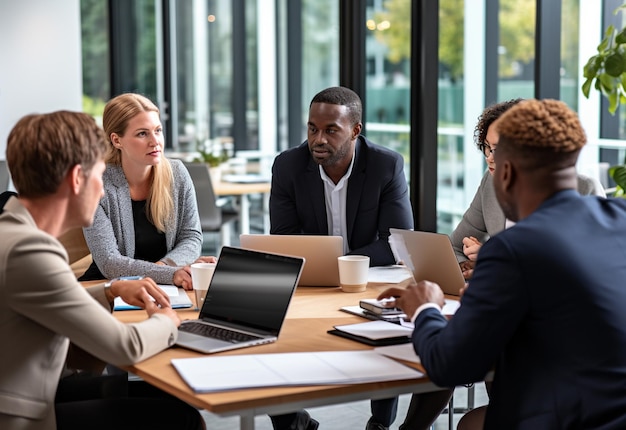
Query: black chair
x=213, y=216
x=5, y=177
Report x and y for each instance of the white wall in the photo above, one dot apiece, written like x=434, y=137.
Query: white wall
x=40, y=60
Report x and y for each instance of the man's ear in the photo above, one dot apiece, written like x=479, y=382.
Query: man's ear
x=356, y=130
x=75, y=177
x=507, y=174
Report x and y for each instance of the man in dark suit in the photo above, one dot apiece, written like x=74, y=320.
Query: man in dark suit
x=339, y=183
x=547, y=299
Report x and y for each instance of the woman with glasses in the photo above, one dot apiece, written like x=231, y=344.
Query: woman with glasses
x=484, y=217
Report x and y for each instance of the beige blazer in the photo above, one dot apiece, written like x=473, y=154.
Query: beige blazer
x=42, y=309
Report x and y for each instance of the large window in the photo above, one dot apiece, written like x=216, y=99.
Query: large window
x=241, y=74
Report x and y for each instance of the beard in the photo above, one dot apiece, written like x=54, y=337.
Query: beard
x=333, y=155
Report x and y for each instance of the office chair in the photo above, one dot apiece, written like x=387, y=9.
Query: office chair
x=213, y=218
x=78, y=252
x=5, y=177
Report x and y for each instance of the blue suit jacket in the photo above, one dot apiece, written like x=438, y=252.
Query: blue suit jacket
x=547, y=306
x=377, y=198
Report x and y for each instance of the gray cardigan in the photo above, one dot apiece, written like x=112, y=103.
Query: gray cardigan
x=111, y=237
x=484, y=217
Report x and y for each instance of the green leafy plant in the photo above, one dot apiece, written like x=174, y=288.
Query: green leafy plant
x=618, y=173
x=212, y=159
x=211, y=155
x=606, y=71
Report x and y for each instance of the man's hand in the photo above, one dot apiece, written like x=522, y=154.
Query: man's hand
x=471, y=246
x=152, y=308
x=467, y=267
x=134, y=292
x=414, y=296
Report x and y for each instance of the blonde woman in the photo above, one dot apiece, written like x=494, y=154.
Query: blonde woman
x=147, y=223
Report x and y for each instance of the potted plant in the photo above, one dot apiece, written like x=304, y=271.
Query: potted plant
x=214, y=157
x=606, y=72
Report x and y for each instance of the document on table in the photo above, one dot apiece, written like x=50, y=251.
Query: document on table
x=178, y=299
x=401, y=352
x=211, y=374
x=388, y=274
x=376, y=330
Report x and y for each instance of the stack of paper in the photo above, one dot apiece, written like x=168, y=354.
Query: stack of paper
x=210, y=374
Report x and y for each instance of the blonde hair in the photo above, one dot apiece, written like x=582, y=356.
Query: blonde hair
x=117, y=114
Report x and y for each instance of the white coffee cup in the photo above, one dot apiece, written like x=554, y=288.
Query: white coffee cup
x=353, y=271
x=201, y=275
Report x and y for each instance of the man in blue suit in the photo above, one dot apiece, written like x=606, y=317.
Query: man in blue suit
x=339, y=183
x=546, y=305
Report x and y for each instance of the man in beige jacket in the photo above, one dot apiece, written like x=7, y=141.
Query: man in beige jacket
x=56, y=161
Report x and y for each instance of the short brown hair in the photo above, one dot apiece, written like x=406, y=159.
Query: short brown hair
x=42, y=148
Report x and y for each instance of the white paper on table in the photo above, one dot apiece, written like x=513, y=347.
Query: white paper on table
x=376, y=329
x=449, y=308
x=209, y=374
x=388, y=274
x=404, y=351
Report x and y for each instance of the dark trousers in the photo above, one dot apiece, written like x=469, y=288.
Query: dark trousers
x=422, y=413
x=100, y=402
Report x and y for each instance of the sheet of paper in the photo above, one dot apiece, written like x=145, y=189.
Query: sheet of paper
x=388, y=274
x=209, y=374
x=400, y=252
x=178, y=299
x=401, y=352
x=450, y=307
x=376, y=329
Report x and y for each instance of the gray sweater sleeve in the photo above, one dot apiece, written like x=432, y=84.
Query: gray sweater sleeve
x=111, y=237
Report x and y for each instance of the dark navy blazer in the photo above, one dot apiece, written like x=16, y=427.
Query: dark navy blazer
x=547, y=307
x=377, y=198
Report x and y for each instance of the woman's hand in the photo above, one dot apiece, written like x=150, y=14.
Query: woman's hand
x=471, y=246
x=182, y=277
x=467, y=267
x=203, y=259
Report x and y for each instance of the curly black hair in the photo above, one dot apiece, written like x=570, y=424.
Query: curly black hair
x=488, y=116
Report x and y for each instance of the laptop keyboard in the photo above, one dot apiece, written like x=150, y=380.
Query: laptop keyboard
x=215, y=332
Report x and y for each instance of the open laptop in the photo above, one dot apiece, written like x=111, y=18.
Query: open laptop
x=430, y=256
x=320, y=253
x=246, y=303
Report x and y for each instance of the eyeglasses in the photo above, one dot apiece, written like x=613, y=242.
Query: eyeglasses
x=486, y=149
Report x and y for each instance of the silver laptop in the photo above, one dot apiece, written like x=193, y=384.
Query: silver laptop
x=320, y=253
x=430, y=257
x=246, y=303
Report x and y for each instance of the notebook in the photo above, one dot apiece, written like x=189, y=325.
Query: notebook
x=246, y=303
x=320, y=253
x=178, y=299
x=430, y=256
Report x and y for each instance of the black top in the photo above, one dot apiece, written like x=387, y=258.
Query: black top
x=149, y=242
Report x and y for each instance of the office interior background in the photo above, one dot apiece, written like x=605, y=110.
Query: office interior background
x=242, y=73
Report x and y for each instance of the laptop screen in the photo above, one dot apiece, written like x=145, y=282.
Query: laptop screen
x=251, y=288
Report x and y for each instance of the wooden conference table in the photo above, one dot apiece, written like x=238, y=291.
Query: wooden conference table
x=312, y=312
